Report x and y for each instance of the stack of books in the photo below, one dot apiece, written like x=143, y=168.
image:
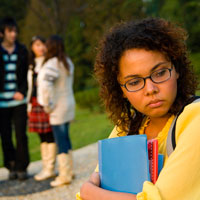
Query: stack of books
x=125, y=163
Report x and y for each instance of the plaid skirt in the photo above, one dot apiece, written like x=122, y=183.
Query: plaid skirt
x=38, y=120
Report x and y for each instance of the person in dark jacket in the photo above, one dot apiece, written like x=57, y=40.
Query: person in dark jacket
x=13, y=89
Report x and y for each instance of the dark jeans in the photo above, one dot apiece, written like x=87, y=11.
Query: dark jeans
x=15, y=158
x=61, y=135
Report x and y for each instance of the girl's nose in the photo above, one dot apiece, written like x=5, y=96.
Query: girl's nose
x=150, y=87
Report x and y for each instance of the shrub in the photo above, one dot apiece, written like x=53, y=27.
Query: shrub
x=89, y=99
x=195, y=58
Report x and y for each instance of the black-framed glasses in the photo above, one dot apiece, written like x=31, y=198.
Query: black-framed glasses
x=158, y=76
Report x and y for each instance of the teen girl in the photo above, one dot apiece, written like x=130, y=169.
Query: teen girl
x=146, y=77
x=39, y=120
x=56, y=91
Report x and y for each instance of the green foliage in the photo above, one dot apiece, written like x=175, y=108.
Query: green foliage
x=191, y=18
x=153, y=7
x=47, y=17
x=83, y=23
x=184, y=12
x=169, y=10
x=89, y=99
x=13, y=9
x=99, y=16
x=75, y=43
x=195, y=58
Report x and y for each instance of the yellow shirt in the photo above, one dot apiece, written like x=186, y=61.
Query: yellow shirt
x=180, y=176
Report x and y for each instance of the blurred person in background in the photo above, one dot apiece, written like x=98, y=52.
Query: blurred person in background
x=13, y=89
x=55, y=87
x=38, y=119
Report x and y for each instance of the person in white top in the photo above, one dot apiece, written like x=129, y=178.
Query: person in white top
x=55, y=93
x=38, y=119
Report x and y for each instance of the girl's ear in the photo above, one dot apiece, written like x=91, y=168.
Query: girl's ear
x=177, y=75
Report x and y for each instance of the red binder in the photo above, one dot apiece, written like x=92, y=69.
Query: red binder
x=153, y=159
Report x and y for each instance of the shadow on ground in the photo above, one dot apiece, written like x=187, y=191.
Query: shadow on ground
x=17, y=188
x=85, y=161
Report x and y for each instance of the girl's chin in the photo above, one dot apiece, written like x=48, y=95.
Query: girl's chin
x=158, y=114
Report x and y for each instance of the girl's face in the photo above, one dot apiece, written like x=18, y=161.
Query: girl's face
x=154, y=99
x=38, y=48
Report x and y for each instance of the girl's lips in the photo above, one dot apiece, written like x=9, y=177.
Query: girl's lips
x=155, y=104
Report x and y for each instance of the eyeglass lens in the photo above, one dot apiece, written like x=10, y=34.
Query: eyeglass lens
x=157, y=76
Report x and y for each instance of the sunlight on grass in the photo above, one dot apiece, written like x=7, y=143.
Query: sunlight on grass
x=89, y=128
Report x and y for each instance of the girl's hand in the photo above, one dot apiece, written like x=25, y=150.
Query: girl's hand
x=86, y=188
x=90, y=190
x=18, y=96
x=95, y=179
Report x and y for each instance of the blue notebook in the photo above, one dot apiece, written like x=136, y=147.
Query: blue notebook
x=160, y=162
x=123, y=163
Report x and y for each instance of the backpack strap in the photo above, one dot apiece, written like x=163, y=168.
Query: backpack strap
x=170, y=147
x=171, y=138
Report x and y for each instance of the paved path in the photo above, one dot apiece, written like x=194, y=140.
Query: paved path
x=85, y=160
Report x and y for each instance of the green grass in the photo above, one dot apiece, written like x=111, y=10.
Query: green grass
x=88, y=127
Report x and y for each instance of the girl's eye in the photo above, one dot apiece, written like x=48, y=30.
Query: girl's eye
x=134, y=82
x=160, y=73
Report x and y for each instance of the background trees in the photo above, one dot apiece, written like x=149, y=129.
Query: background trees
x=83, y=22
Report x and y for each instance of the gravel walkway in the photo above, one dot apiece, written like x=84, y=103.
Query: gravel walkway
x=85, y=160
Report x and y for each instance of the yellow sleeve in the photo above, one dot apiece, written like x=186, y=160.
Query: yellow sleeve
x=150, y=192
x=78, y=196
x=180, y=177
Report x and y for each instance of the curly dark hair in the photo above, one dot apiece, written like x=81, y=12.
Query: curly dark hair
x=154, y=34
